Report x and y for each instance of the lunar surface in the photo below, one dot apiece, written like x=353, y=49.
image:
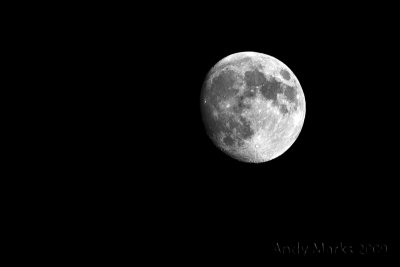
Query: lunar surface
x=253, y=106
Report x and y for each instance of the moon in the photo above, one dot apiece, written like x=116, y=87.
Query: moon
x=253, y=106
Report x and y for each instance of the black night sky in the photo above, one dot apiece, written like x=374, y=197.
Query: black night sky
x=335, y=183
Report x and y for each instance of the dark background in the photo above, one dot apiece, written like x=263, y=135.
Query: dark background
x=118, y=155
x=153, y=163
x=335, y=183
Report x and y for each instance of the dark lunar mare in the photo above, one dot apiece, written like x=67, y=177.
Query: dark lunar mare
x=290, y=93
x=285, y=74
x=270, y=87
x=221, y=89
x=254, y=78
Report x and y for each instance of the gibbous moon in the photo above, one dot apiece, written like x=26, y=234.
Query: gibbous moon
x=253, y=106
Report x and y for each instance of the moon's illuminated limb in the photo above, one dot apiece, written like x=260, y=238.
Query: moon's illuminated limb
x=273, y=139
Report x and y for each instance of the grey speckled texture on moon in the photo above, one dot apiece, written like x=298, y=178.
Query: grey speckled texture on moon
x=278, y=134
